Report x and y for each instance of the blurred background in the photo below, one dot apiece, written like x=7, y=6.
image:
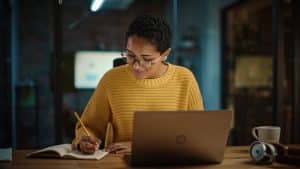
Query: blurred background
x=244, y=54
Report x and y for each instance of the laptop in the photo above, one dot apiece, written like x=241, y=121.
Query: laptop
x=179, y=137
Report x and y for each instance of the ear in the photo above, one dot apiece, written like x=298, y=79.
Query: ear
x=166, y=53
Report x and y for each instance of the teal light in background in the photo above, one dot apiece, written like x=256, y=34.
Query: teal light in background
x=96, y=5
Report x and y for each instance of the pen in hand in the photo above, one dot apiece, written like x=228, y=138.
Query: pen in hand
x=81, y=123
x=87, y=143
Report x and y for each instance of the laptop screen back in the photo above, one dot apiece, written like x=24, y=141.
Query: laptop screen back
x=179, y=137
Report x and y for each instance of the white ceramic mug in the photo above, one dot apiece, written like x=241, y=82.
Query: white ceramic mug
x=268, y=134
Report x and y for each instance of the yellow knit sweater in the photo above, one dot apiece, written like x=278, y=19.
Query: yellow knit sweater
x=119, y=94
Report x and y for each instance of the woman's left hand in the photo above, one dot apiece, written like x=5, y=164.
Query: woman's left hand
x=118, y=148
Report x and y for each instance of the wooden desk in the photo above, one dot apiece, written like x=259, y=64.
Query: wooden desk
x=235, y=158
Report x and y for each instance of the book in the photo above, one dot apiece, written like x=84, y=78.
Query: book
x=5, y=154
x=65, y=151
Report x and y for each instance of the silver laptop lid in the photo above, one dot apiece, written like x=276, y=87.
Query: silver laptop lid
x=179, y=137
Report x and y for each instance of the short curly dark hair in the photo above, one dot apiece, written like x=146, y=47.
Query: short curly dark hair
x=152, y=28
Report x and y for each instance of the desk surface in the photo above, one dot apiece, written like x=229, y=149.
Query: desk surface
x=235, y=157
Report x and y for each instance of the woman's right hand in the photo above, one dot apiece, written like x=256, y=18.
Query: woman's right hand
x=88, y=145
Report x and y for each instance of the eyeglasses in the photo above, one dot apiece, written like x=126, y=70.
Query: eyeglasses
x=132, y=59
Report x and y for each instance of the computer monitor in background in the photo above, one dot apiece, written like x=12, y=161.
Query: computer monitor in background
x=90, y=66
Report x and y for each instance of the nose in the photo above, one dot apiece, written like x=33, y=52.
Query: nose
x=137, y=66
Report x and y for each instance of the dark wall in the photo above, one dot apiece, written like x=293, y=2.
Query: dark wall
x=103, y=30
x=36, y=44
x=5, y=81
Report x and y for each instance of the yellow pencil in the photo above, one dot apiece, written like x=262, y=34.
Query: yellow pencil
x=107, y=135
x=83, y=126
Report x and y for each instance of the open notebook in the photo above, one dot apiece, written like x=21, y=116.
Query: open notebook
x=65, y=151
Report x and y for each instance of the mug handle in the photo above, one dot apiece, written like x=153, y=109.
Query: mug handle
x=254, y=133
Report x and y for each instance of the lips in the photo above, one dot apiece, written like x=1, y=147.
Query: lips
x=138, y=74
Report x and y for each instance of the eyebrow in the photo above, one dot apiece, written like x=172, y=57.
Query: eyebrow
x=145, y=56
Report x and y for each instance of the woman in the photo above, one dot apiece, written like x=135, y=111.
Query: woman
x=147, y=82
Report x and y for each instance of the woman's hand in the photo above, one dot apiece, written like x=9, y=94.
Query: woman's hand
x=88, y=144
x=118, y=148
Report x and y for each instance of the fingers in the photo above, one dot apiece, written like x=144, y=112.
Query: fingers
x=117, y=148
x=88, y=145
x=113, y=147
x=91, y=139
x=122, y=151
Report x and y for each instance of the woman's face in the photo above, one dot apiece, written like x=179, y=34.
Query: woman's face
x=143, y=57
